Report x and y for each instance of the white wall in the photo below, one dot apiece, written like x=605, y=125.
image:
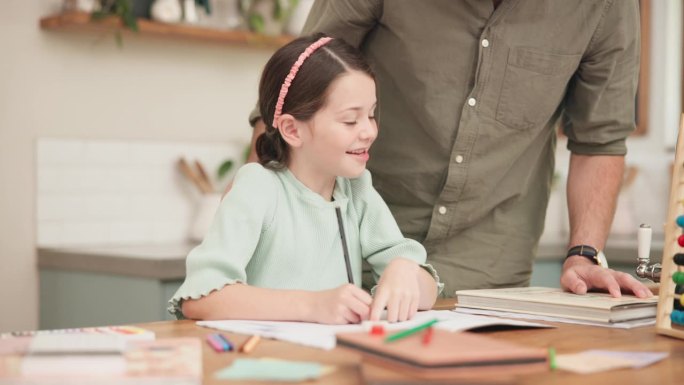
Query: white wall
x=56, y=84
x=652, y=153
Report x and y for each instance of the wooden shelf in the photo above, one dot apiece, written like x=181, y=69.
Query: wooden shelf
x=82, y=22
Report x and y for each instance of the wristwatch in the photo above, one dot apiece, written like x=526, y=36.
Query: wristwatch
x=590, y=253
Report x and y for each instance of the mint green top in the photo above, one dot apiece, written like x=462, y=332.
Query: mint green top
x=272, y=231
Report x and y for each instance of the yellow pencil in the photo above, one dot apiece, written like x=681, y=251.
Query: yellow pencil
x=250, y=344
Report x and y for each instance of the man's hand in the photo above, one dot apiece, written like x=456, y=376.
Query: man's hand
x=580, y=275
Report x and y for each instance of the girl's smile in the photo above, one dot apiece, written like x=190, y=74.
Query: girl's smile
x=361, y=154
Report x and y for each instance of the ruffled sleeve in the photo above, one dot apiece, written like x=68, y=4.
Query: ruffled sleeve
x=221, y=259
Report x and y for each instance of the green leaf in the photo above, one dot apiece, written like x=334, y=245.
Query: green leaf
x=277, y=10
x=256, y=23
x=224, y=168
x=130, y=21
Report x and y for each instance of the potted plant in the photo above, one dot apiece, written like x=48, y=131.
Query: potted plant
x=267, y=16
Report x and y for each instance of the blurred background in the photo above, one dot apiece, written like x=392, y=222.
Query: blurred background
x=97, y=212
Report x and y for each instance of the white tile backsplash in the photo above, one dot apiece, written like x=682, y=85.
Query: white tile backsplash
x=56, y=152
x=114, y=191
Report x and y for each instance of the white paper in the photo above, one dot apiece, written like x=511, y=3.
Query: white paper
x=592, y=361
x=323, y=336
x=637, y=359
x=615, y=325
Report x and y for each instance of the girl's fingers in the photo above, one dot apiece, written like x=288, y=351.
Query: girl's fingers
x=350, y=316
x=362, y=295
x=361, y=309
x=404, y=308
x=413, y=309
x=393, y=308
x=379, y=303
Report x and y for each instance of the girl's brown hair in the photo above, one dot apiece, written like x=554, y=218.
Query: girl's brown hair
x=308, y=90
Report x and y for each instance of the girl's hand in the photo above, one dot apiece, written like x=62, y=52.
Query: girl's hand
x=398, y=290
x=343, y=305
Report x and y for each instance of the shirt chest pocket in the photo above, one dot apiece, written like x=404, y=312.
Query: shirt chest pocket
x=533, y=86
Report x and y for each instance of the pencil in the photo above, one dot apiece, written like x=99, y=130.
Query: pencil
x=408, y=332
x=347, y=263
x=552, y=359
x=250, y=344
x=216, y=343
x=226, y=342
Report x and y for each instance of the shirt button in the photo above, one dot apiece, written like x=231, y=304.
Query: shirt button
x=442, y=210
x=459, y=159
x=472, y=102
x=485, y=43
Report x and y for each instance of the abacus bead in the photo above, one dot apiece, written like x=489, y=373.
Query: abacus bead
x=678, y=259
x=677, y=303
x=680, y=221
x=678, y=277
x=680, y=240
x=677, y=317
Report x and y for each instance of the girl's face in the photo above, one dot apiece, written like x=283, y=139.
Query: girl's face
x=336, y=140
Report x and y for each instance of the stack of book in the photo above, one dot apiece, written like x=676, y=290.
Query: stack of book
x=554, y=304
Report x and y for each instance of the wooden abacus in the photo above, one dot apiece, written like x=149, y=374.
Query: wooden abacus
x=670, y=318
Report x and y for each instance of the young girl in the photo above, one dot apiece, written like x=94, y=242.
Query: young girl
x=288, y=240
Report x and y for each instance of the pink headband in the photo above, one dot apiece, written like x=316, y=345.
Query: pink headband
x=293, y=72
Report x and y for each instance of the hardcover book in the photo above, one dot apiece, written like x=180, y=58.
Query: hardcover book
x=599, y=307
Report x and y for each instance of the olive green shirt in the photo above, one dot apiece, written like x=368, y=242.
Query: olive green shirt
x=469, y=96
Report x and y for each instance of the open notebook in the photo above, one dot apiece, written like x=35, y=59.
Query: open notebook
x=323, y=336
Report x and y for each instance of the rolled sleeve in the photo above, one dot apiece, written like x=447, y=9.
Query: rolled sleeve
x=599, y=107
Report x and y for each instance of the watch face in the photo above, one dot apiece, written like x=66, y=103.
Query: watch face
x=601, y=259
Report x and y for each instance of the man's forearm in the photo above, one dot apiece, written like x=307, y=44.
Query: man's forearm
x=593, y=185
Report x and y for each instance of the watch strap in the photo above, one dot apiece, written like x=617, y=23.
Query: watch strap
x=586, y=251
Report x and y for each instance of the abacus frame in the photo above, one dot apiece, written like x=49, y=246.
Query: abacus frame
x=671, y=247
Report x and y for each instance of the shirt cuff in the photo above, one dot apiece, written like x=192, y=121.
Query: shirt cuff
x=431, y=270
x=176, y=303
x=617, y=147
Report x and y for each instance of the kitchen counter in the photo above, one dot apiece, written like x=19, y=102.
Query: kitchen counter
x=161, y=261
x=167, y=261
x=84, y=286
x=118, y=284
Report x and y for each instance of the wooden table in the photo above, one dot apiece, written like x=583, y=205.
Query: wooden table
x=567, y=338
